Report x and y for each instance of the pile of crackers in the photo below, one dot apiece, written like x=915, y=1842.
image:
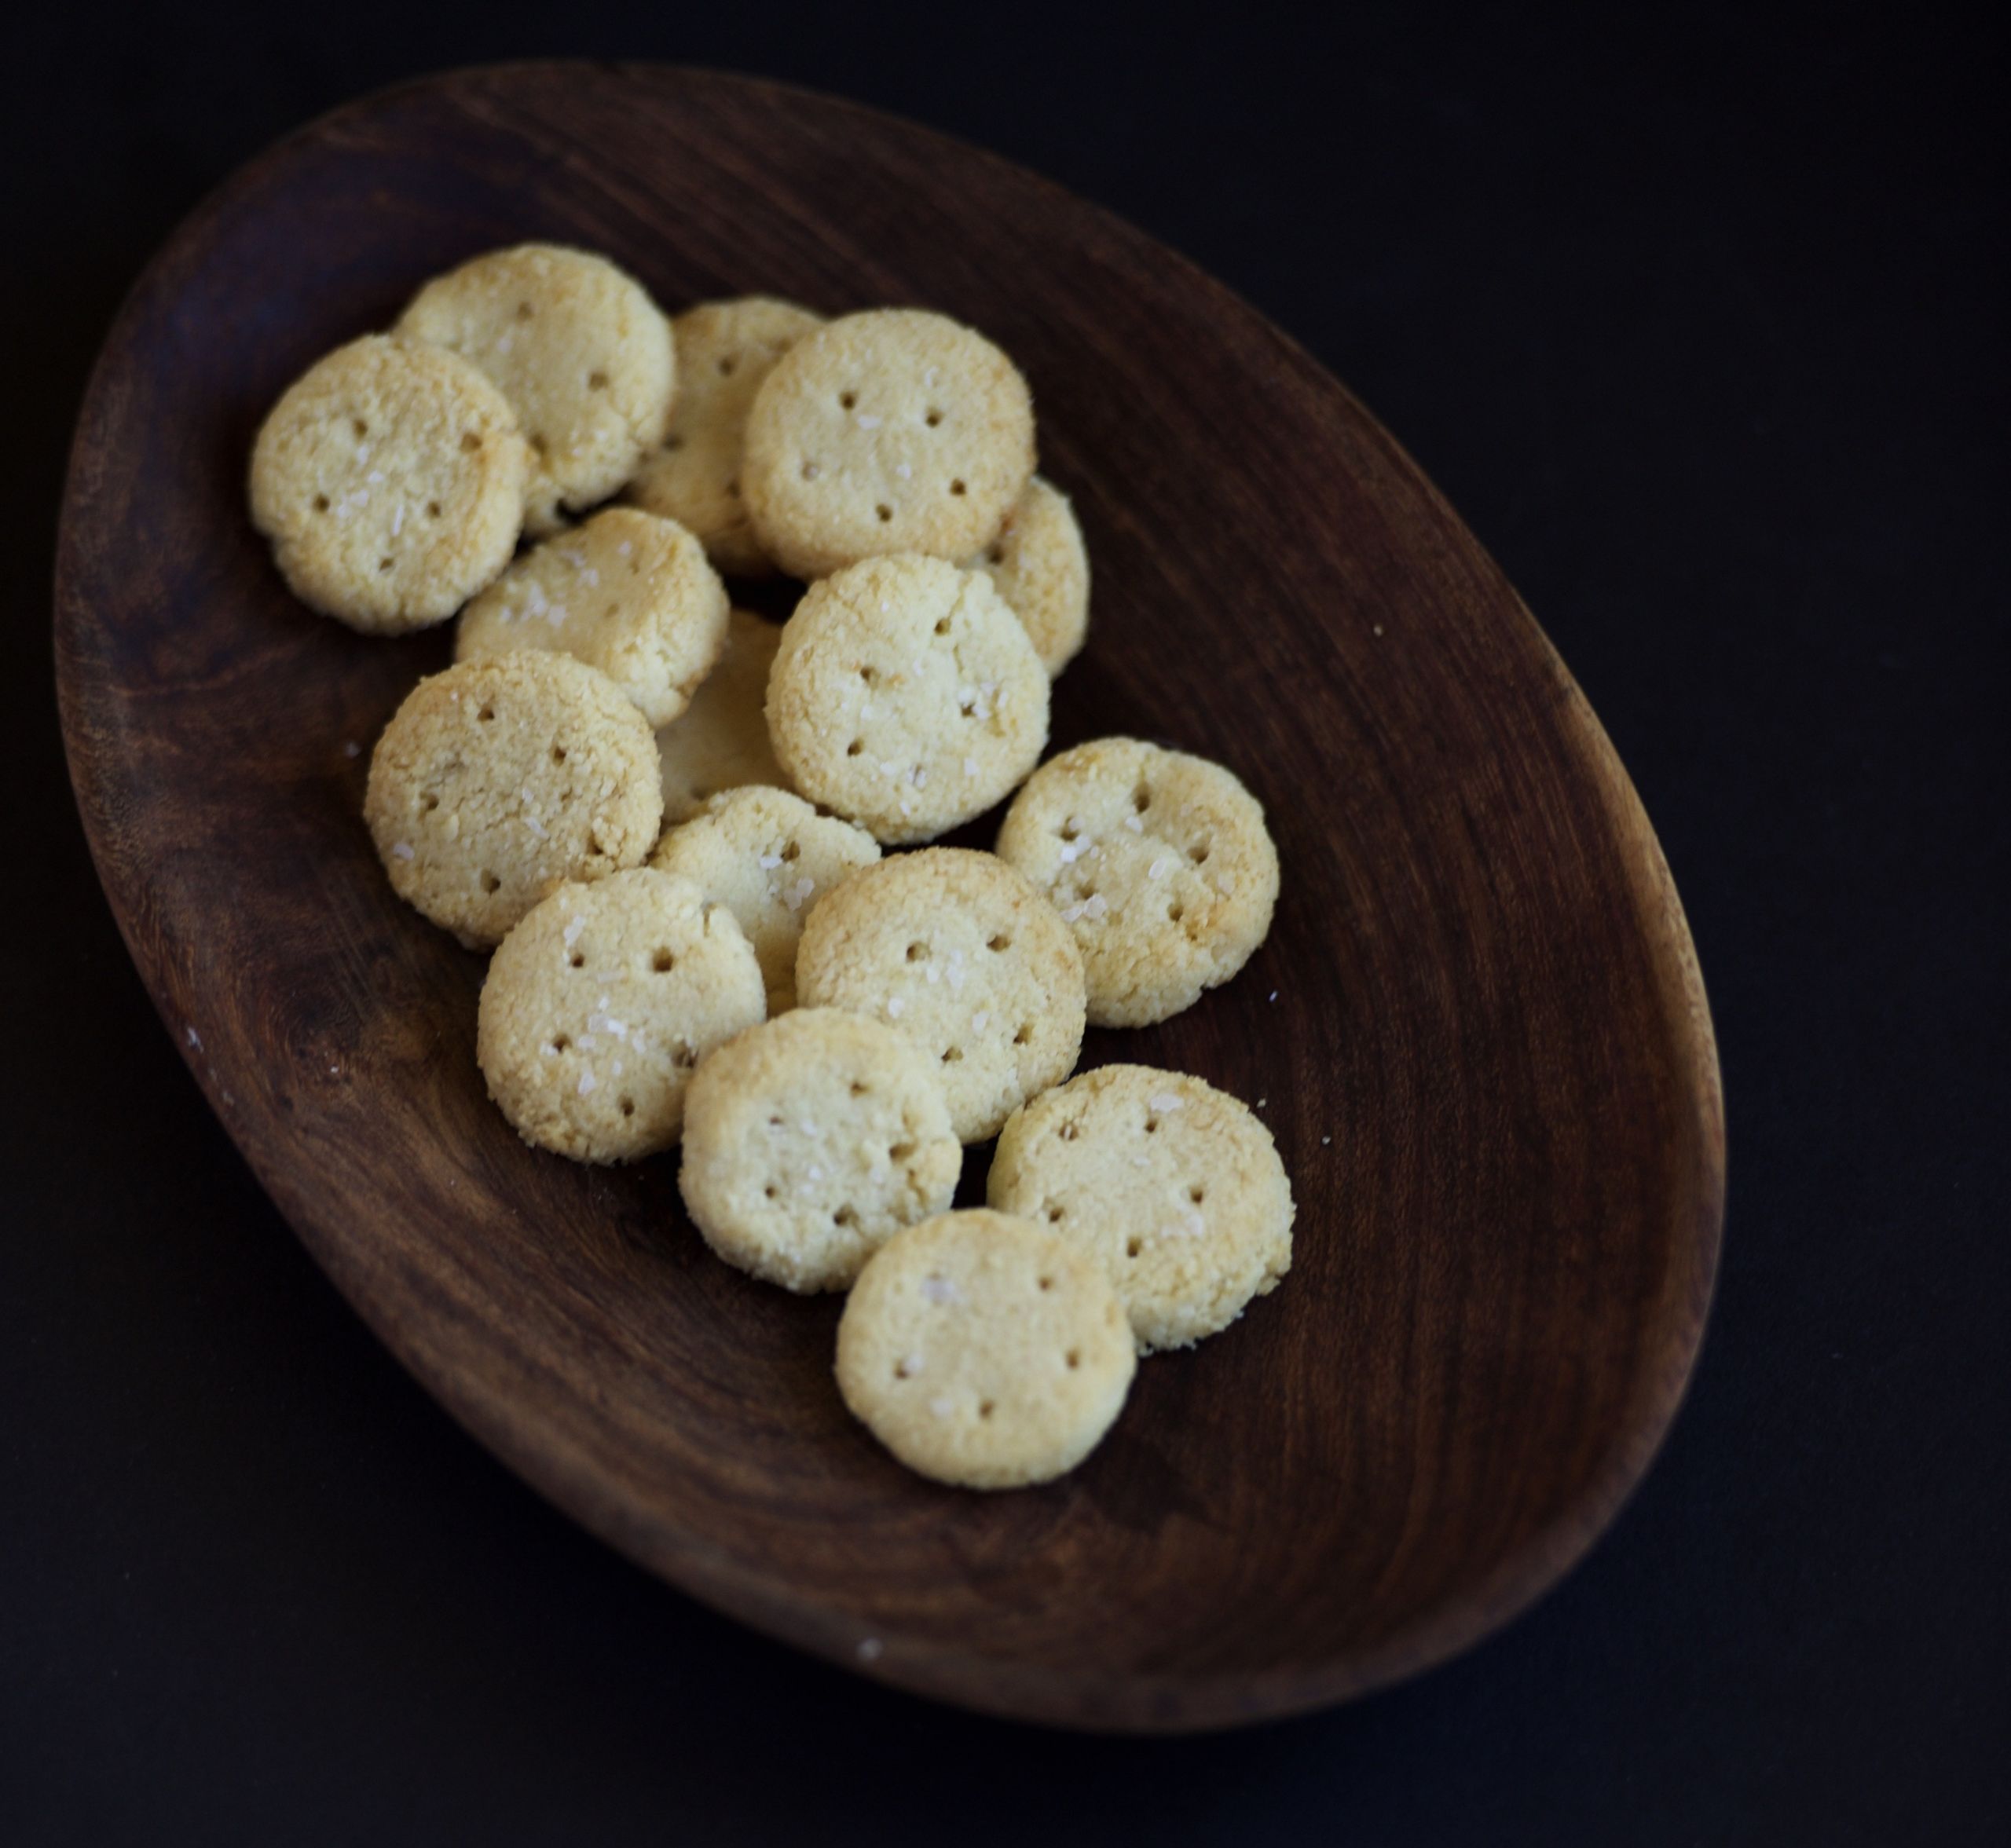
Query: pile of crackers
x=695, y=841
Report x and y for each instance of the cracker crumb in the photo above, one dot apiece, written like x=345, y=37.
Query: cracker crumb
x=352, y=748
x=869, y=1649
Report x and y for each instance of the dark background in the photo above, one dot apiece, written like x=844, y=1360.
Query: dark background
x=1703, y=328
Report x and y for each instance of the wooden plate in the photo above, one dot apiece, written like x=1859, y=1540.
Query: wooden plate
x=1478, y=1027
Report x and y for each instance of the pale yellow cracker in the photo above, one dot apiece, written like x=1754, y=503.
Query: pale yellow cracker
x=1173, y=1187
x=722, y=741
x=579, y=350
x=984, y=1352
x=389, y=478
x=626, y=592
x=895, y=430
x=499, y=779
x=724, y=350
x=809, y=1141
x=1160, y=862
x=1041, y=567
x=906, y=695
x=767, y=856
x=599, y=1006
x=955, y=949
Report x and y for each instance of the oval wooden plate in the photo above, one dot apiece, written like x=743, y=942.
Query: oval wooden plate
x=1476, y=1028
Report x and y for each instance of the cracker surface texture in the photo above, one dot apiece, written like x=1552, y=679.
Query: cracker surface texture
x=956, y=950
x=578, y=348
x=498, y=780
x=767, y=856
x=389, y=478
x=906, y=695
x=722, y=741
x=893, y=431
x=1038, y=564
x=599, y=1006
x=811, y=1140
x=1158, y=862
x=1174, y=1189
x=625, y=592
x=724, y=351
x=984, y=1352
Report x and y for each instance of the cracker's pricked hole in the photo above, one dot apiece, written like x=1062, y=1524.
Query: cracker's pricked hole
x=578, y=960
x=384, y=564
x=433, y=510
x=596, y=382
x=900, y=1151
x=885, y=511
x=725, y=365
x=558, y=753
x=1069, y=830
x=1054, y=1213
x=957, y=487
x=997, y=555
x=942, y=627
x=791, y=851
x=847, y=400
x=811, y=472
x=768, y=1192
x=470, y=441
x=901, y=1370
x=663, y=962
x=524, y=311
x=560, y=1042
x=1174, y=913
x=917, y=952
x=845, y=1215
x=1197, y=1194
x=953, y=1056
x=321, y=503
x=1132, y=1247
x=487, y=713
x=1025, y=1033
x=1068, y=1131
x=985, y=1407
x=1197, y=854
x=431, y=802
x=1141, y=799
x=1047, y=1283
x=491, y=883
x=628, y=1106
x=672, y=443
x=856, y=746
x=934, y=417
x=1000, y=942
x=1074, y=1357
x=858, y=1089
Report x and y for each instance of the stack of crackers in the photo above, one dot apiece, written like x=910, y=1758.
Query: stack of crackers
x=696, y=842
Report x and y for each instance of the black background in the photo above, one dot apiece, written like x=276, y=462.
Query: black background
x=1703, y=328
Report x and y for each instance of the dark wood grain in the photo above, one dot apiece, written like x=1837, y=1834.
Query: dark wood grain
x=1478, y=1027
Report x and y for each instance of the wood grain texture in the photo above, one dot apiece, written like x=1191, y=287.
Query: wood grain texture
x=1486, y=994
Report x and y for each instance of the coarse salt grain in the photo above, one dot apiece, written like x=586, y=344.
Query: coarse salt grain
x=895, y=1007
x=402, y=850
x=869, y=1648
x=1095, y=906
x=1136, y=825
x=623, y=549
x=1159, y=867
x=767, y=863
x=868, y=421
x=942, y=1406
x=352, y=749
x=795, y=897
x=903, y=470
x=571, y=933
x=398, y=521
x=980, y=1020
x=587, y=1081
x=195, y=1039
x=940, y=1289
x=970, y=766
x=1165, y=1100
